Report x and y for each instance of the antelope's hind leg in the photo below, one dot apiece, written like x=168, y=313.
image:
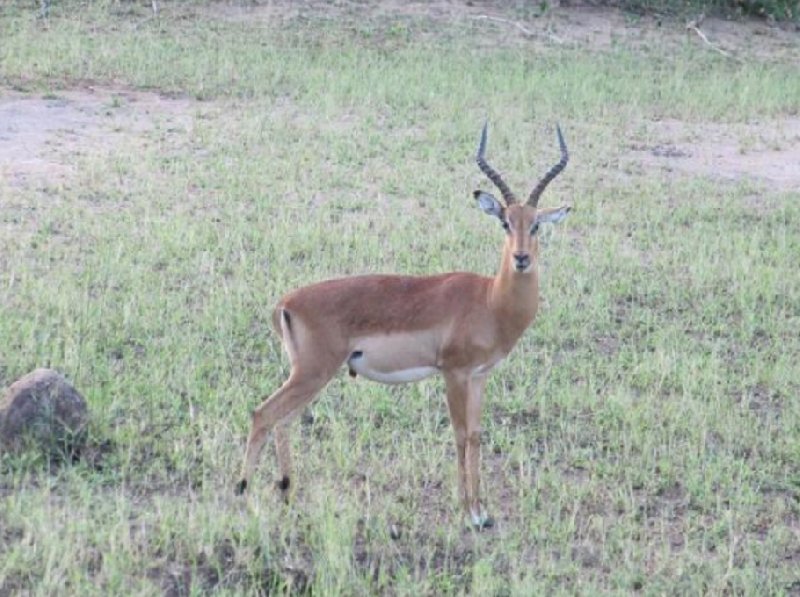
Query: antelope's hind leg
x=283, y=450
x=277, y=410
x=315, y=359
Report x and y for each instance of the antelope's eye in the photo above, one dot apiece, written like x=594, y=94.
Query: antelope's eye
x=534, y=228
x=506, y=227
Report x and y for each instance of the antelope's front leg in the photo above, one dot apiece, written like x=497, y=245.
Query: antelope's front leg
x=464, y=398
x=457, y=392
x=479, y=517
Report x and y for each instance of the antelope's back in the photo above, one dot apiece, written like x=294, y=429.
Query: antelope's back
x=386, y=303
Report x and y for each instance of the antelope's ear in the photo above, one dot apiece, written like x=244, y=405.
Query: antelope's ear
x=552, y=215
x=489, y=204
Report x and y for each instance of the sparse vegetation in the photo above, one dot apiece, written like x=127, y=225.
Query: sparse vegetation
x=776, y=10
x=643, y=437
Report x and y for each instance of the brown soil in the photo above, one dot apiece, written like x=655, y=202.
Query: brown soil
x=767, y=152
x=41, y=137
x=517, y=22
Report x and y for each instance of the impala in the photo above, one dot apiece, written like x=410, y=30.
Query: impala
x=394, y=329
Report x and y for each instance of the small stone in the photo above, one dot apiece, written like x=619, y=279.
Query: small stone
x=43, y=408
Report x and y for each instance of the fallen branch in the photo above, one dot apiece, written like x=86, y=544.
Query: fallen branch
x=154, y=6
x=144, y=21
x=520, y=27
x=695, y=26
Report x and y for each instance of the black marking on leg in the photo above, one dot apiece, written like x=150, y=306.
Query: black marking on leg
x=284, y=483
x=287, y=324
x=241, y=486
x=356, y=354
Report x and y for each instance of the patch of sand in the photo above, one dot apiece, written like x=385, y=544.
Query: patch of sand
x=767, y=152
x=40, y=137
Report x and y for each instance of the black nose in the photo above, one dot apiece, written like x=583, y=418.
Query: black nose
x=523, y=260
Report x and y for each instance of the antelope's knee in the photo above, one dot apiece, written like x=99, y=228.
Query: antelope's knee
x=473, y=438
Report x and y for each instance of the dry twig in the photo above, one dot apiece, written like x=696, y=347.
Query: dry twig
x=520, y=27
x=524, y=30
x=694, y=25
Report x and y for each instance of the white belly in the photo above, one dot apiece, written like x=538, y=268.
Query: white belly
x=488, y=366
x=397, y=376
x=394, y=358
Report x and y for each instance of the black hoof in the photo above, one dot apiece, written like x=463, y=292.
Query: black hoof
x=240, y=487
x=485, y=522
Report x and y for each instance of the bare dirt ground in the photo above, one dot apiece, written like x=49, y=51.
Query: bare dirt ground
x=764, y=152
x=578, y=26
x=40, y=137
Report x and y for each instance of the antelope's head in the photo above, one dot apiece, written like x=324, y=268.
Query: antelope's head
x=520, y=220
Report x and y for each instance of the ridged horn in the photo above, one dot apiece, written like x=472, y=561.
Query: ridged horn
x=554, y=171
x=490, y=172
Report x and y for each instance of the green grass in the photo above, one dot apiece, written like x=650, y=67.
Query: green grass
x=643, y=436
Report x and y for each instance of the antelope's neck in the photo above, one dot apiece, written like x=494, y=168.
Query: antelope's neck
x=514, y=297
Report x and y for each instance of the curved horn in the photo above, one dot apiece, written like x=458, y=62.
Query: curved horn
x=493, y=175
x=554, y=171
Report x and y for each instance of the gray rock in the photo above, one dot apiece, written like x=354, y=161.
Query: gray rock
x=43, y=408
